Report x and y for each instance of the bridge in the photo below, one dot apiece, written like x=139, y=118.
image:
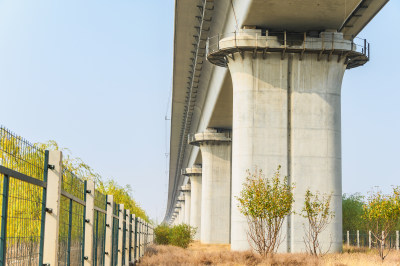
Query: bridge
x=258, y=84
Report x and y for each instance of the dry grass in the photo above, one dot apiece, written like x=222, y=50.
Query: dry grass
x=198, y=254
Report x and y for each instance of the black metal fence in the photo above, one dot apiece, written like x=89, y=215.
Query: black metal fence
x=24, y=170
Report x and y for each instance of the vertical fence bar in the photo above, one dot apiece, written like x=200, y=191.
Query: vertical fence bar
x=69, y=233
x=397, y=240
x=140, y=237
x=348, y=238
x=95, y=236
x=127, y=234
x=104, y=238
x=84, y=223
x=369, y=239
x=4, y=210
x=131, y=230
x=109, y=227
x=383, y=242
x=358, y=238
x=120, y=233
x=89, y=225
x=43, y=214
x=52, y=217
x=135, y=239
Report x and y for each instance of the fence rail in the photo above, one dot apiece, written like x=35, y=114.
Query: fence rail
x=50, y=216
x=364, y=239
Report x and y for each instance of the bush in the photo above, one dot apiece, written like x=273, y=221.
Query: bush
x=265, y=202
x=181, y=235
x=161, y=234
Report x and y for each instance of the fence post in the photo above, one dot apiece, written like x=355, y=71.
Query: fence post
x=120, y=233
x=369, y=239
x=358, y=238
x=109, y=227
x=52, y=219
x=348, y=238
x=43, y=213
x=4, y=211
x=397, y=240
x=135, y=239
x=127, y=234
x=140, y=237
x=89, y=224
x=131, y=236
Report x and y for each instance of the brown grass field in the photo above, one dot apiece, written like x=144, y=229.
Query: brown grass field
x=199, y=254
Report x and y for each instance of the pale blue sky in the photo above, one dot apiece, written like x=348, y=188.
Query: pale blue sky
x=95, y=76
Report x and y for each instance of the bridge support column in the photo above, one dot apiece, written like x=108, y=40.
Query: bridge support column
x=286, y=111
x=194, y=174
x=187, y=194
x=216, y=185
x=181, y=199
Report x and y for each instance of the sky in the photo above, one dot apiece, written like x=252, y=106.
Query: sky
x=96, y=77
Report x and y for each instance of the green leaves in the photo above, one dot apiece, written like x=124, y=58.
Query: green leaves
x=122, y=195
x=319, y=215
x=180, y=235
x=266, y=198
x=265, y=202
x=382, y=214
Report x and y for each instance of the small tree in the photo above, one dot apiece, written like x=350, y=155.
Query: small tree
x=319, y=215
x=161, y=233
x=265, y=203
x=382, y=214
x=352, y=209
x=181, y=235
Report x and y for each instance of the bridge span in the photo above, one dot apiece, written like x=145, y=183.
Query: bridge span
x=257, y=83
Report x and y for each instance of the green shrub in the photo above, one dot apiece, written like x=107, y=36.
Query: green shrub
x=161, y=234
x=181, y=235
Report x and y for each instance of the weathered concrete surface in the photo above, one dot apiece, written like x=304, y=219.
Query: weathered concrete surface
x=182, y=214
x=287, y=112
x=194, y=174
x=53, y=201
x=186, y=190
x=216, y=185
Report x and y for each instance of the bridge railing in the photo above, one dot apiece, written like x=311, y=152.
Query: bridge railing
x=324, y=43
x=50, y=216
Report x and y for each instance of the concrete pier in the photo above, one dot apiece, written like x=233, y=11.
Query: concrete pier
x=194, y=173
x=215, y=149
x=181, y=200
x=286, y=111
x=186, y=190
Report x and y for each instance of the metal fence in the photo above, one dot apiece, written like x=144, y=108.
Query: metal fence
x=50, y=216
x=364, y=239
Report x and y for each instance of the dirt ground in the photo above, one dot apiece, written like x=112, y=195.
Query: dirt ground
x=201, y=254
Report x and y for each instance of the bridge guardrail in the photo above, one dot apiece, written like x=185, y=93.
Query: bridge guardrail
x=325, y=43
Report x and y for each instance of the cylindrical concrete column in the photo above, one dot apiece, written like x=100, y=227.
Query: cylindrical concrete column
x=181, y=200
x=186, y=191
x=194, y=174
x=216, y=185
x=286, y=111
